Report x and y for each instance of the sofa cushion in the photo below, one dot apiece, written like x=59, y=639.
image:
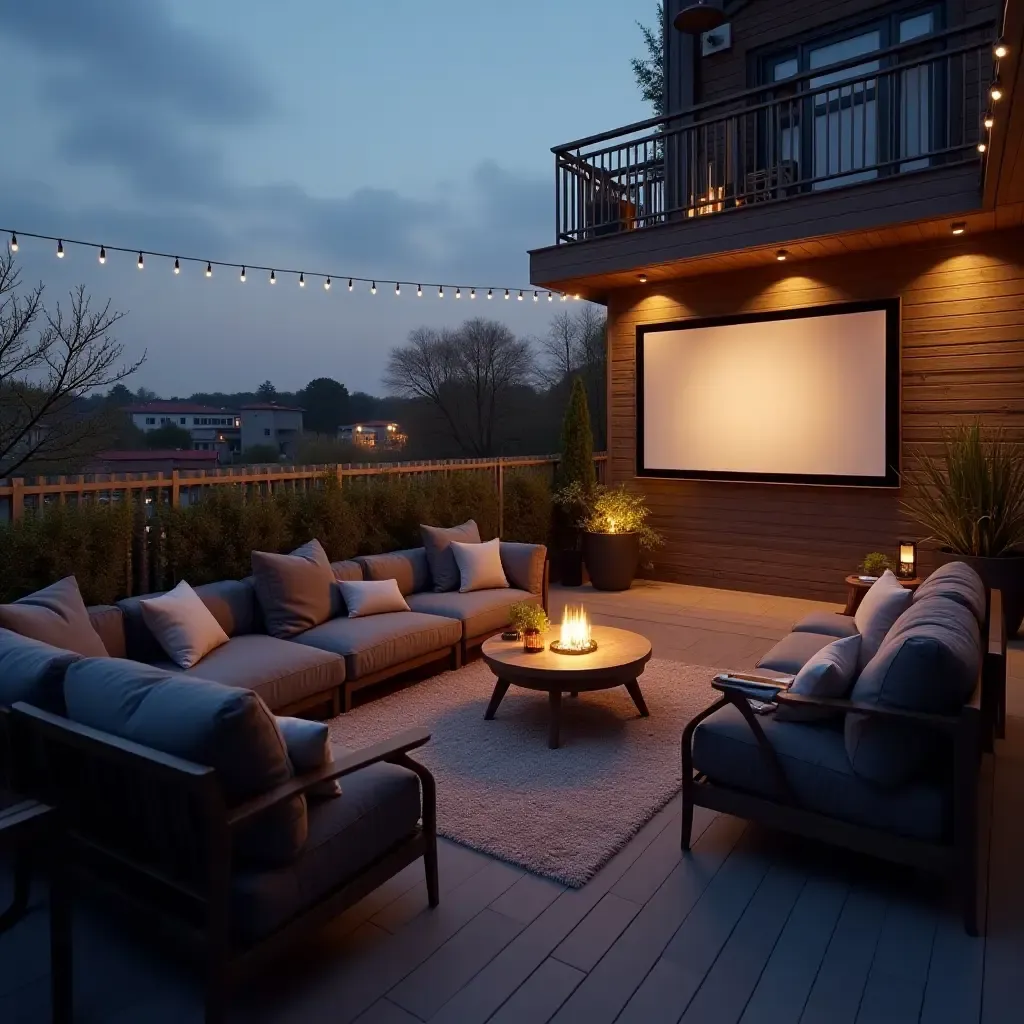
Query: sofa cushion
x=814, y=761
x=958, y=582
x=33, y=672
x=309, y=748
x=183, y=625
x=881, y=606
x=379, y=808
x=483, y=611
x=929, y=662
x=830, y=623
x=408, y=567
x=280, y=672
x=792, y=652
x=443, y=570
x=479, y=566
x=830, y=673
x=371, y=597
x=380, y=642
x=108, y=621
x=55, y=615
x=347, y=570
x=296, y=592
x=224, y=727
x=524, y=565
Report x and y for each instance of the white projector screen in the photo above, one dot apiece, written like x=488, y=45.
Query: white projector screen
x=808, y=396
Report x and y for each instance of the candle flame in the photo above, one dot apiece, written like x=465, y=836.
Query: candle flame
x=575, y=634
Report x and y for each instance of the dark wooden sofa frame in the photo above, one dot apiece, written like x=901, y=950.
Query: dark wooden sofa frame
x=155, y=828
x=970, y=733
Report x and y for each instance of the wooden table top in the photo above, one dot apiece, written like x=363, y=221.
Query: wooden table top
x=856, y=581
x=617, y=649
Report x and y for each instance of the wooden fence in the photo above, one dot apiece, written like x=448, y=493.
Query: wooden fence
x=20, y=496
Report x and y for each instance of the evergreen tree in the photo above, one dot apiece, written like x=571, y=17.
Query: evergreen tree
x=577, y=465
x=649, y=72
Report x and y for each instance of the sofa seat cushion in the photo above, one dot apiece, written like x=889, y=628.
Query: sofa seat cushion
x=33, y=672
x=281, y=672
x=958, y=582
x=813, y=757
x=223, y=727
x=792, y=652
x=380, y=806
x=830, y=623
x=480, y=612
x=379, y=642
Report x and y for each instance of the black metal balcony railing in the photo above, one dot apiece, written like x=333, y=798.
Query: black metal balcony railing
x=904, y=109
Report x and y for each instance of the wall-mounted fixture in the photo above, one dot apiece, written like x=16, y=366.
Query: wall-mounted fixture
x=700, y=16
x=718, y=40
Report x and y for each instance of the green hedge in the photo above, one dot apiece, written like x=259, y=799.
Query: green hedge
x=212, y=539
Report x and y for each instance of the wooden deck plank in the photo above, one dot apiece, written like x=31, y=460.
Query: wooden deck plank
x=540, y=996
x=386, y=1012
x=528, y=898
x=596, y=933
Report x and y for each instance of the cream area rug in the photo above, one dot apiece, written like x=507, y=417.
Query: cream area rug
x=500, y=789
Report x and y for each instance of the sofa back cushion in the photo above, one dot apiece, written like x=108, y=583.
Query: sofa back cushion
x=524, y=565
x=409, y=568
x=296, y=592
x=929, y=662
x=828, y=673
x=183, y=625
x=108, y=621
x=55, y=615
x=224, y=727
x=350, y=571
x=443, y=570
x=33, y=672
x=958, y=582
x=883, y=604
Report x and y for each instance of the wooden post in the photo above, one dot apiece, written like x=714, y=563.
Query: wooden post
x=17, y=498
x=501, y=498
x=62, y=494
x=175, y=489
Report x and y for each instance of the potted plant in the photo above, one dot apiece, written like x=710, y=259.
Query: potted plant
x=971, y=500
x=875, y=564
x=615, y=532
x=531, y=622
x=575, y=479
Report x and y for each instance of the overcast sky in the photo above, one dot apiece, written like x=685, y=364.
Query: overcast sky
x=400, y=139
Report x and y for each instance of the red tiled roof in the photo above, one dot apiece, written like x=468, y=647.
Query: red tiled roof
x=157, y=456
x=176, y=408
x=369, y=423
x=270, y=407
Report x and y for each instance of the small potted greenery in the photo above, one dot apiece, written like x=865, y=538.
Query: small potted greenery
x=971, y=500
x=615, y=532
x=530, y=621
x=875, y=564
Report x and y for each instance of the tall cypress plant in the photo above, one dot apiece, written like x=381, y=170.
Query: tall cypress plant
x=577, y=465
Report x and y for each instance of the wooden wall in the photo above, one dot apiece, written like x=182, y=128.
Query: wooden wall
x=962, y=357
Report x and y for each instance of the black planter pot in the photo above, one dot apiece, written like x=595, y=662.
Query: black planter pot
x=611, y=559
x=569, y=565
x=1005, y=574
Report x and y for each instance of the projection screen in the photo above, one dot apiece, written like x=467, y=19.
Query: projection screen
x=805, y=396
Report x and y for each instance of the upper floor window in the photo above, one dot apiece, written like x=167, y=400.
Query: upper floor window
x=150, y=421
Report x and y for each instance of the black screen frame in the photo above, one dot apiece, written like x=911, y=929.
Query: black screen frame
x=890, y=479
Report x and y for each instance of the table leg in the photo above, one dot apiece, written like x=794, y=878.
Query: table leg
x=22, y=888
x=60, y=934
x=853, y=595
x=500, y=689
x=556, y=717
x=638, y=698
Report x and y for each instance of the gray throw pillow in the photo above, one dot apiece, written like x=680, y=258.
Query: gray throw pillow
x=830, y=673
x=408, y=568
x=437, y=541
x=184, y=627
x=524, y=565
x=296, y=592
x=371, y=597
x=309, y=748
x=882, y=605
x=479, y=566
x=56, y=616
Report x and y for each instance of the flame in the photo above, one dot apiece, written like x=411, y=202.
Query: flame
x=575, y=635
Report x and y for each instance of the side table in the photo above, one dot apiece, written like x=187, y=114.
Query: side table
x=857, y=587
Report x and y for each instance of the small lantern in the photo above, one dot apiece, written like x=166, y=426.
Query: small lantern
x=908, y=560
x=533, y=641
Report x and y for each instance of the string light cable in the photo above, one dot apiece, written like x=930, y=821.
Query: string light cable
x=243, y=268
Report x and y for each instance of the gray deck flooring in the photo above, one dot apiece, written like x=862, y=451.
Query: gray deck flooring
x=750, y=928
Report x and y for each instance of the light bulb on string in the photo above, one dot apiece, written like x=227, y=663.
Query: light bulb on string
x=302, y=280
x=103, y=254
x=60, y=249
x=551, y=297
x=458, y=293
x=564, y=297
x=989, y=120
x=419, y=291
x=506, y=293
x=440, y=291
x=350, y=284
x=209, y=269
x=273, y=277
x=142, y=263
x=327, y=285
x=14, y=242
x=241, y=277
x=177, y=266
x=472, y=293
x=490, y=293
x=373, y=288
x=536, y=297
x=398, y=288
x=520, y=295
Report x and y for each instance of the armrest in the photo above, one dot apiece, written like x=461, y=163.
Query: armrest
x=386, y=750
x=764, y=688
x=944, y=723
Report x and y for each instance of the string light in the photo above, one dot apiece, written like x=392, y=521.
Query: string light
x=506, y=293
x=419, y=291
x=1000, y=49
x=536, y=297
x=373, y=288
x=209, y=269
x=327, y=285
x=273, y=278
x=989, y=120
x=177, y=266
x=142, y=262
x=440, y=291
x=103, y=255
x=241, y=276
x=550, y=297
x=14, y=242
x=996, y=90
x=302, y=280
x=398, y=288
x=982, y=147
x=350, y=284
x=60, y=249
x=472, y=293
x=490, y=293
x=458, y=293
x=520, y=294
x=564, y=297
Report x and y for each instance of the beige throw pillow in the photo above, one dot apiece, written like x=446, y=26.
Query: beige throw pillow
x=296, y=592
x=479, y=566
x=371, y=597
x=56, y=616
x=183, y=626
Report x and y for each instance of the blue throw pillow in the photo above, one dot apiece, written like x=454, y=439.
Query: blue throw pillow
x=309, y=748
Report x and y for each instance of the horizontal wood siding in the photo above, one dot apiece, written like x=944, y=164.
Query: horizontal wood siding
x=962, y=357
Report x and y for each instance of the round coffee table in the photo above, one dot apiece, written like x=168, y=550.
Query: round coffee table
x=618, y=661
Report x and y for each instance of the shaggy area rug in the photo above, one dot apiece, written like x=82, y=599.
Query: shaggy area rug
x=560, y=813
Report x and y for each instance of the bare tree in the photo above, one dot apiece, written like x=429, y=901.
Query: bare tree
x=559, y=351
x=49, y=361
x=467, y=375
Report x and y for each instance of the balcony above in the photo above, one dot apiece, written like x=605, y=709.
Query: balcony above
x=869, y=144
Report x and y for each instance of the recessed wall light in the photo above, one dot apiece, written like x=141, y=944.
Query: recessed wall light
x=642, y=278
x=959, y=227
x=782, y=255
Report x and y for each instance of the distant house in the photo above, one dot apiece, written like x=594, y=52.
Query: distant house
x=147, y=461
x=374, y=434
x=211, y=429
x=266, y=423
